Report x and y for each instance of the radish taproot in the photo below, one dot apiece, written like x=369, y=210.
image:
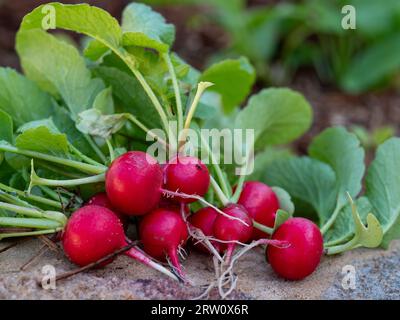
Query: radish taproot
x=204, y=220
x=232, y=231
x=261, y=203
x=303, y=255
x=133, y=183
x=94, y=232
x=162, y=233
x=188, y=175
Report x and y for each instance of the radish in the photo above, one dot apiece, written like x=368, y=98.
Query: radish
x=133, y=183
x=93, y=232
x=101, y=199
x=303, y=255
x=226, y=229
x=186, y=175
x=167, y=203
x=261, y=203
x=204, y=220
x=162, y=232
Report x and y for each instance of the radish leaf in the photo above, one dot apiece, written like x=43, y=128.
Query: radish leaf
x=277, y=116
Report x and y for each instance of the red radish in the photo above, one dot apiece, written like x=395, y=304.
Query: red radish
x=101, y=199
x=162, y=232
x=204, y=220
x=186, y=175
x=233, y=230
x=303, y=255
x=167, y=203
x=93, y=232
x=261, y=203
x=133, y=183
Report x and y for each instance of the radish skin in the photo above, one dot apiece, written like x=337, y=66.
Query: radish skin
x=133, y=183
x=261, y=203
x=186, y=175
x=94, y=232
x=162, y=232
x=303, y=255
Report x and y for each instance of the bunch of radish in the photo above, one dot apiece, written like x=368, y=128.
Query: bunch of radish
x=137, y=185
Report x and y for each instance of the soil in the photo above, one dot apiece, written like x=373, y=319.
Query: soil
x=376, y=274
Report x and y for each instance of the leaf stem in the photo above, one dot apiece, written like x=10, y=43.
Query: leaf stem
x=343, y=247
x=263, y=228
x=95, y=147
x=28, y=233
x=242, y=178
x=221, y=196
x=88, y=168
x=221, y=178
x=38, y=181
x=175, y=84
x=29, y=223
x=133, y=119
x=83, y=157
x=124, y=56
x=332, y=219
x=35, y=213
x=201, y=87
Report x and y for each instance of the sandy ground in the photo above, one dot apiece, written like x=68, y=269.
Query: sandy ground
x=377, y=277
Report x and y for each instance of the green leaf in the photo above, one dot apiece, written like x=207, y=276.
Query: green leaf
x=278, y=116
x=21, y=98
x=341, y=150
x=383, y=188
x=232, y=79
x=6, y=127
x=129, y=95
x=380, y=59
x=58, y=68
x=344, y=226
x=94, y=50
x=104, y=102
x=266, y=157
x=306, y=179
x=43, y=139
x=82, y=18
x=281, y=217
x=285, y=201
x=94, y=123
x=144, y=27
x=369, y=235
x=62, y=119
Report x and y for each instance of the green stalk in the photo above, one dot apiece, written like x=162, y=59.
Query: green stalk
x=54, y=195
x=82, y=156
x=28, y=233
x=88, y=168
x=175, y=84
x=242, y=178
x=55, y=169
x=110, y=150
x=133, y=119
x=332, y=219
x=29, y=223
x=146, y=87
x=262, y=228
x=221, y=196
x=95, y=147
x=35, y=213
x=201, y=87
x=343, y=247
x=226, y=188
x=337, y=241
x=38, y=181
